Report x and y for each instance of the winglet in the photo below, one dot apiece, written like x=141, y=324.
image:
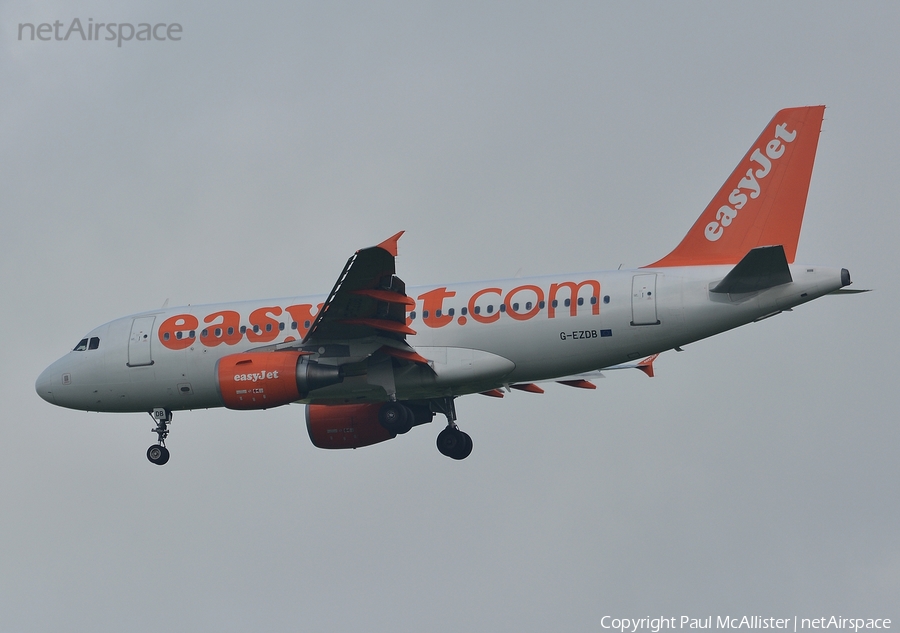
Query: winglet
x=646, y=365
x=763, y=200
x=390, y=244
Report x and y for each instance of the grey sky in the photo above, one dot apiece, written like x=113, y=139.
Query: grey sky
x=755, y=475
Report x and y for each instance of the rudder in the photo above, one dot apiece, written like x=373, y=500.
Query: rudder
x=762, y=202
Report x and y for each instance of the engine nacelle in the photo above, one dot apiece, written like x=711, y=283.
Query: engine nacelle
x=345, y=425
x=261, y=380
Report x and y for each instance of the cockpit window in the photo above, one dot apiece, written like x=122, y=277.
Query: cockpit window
x=87, y=343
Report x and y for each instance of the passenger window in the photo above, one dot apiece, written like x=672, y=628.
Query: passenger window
x=82, y=345
x=95, y=343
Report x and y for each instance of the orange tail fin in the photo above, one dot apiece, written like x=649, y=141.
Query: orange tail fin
x=762, y=202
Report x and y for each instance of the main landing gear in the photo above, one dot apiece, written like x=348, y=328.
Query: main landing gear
x=399, y=418
x=158, y=453
x=454, y=443
x=451, y=441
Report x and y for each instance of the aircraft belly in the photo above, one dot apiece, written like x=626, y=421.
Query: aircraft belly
x=458, y=365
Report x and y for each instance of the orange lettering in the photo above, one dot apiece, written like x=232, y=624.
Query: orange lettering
x=174, y=332
x=433, y=304
x=475, y=297
x=266, y=325
x=574, y=289
x=227, y=331
x=524, y=316
x=302, y=314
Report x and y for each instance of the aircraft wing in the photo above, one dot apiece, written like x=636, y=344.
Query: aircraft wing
x=582, y=380
x=365, y=311
x=368, y=300
x=645, y=365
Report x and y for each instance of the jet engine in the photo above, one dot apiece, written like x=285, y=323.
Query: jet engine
x=261, y=380
x=357, y=425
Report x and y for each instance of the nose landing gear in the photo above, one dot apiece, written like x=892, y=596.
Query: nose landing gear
x=158, y=453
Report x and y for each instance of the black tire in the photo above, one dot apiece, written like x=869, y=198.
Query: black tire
x=466, y=448
x=156, y=455
x=395, y=417
x=454, y=443
x=165, y=456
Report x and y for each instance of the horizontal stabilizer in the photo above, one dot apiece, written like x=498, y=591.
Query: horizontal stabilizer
x=761, y=268
x=849, y=291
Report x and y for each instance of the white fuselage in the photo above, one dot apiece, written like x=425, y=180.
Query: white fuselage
x=476, y=336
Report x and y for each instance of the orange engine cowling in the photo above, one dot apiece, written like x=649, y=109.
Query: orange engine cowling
x=345, y=425
x=260, y=380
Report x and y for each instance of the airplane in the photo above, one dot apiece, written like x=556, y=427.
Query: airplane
x=373, y=358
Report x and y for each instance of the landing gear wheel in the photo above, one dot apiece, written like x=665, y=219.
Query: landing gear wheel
x=395, y=417
x=158, y=455
x=466, y=451
x=454, y=443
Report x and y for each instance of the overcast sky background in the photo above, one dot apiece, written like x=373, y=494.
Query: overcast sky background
x=757, y=474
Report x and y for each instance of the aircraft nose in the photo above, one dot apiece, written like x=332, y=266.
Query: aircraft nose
x=45, y=383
